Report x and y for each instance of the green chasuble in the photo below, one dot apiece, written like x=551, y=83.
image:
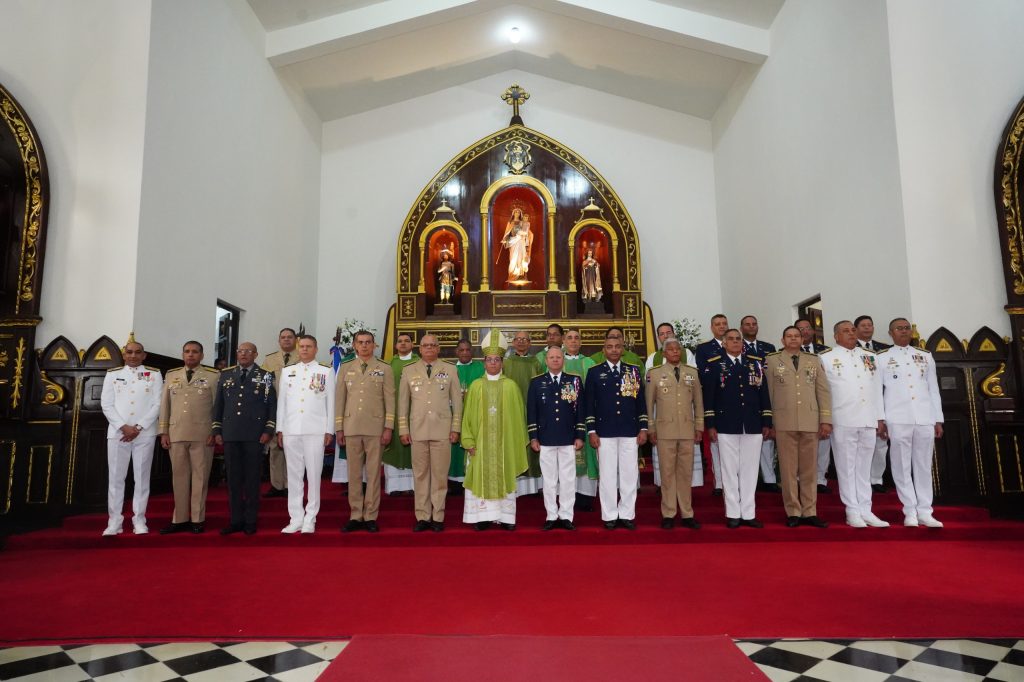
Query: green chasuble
x=494, y=422
x=396, y=454
x=467, y=374
x=628, y=356
x=586, y=459
x=521, y=369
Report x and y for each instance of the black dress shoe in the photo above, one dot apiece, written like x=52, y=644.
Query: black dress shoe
x=690, y=523
x=548, y=525
x=879, y=488
x=628, y=524
x=276, y=492
x=732, y=523
x=668, y=523
x=717, y=492
x=197, y=528
x=174, y=528
x=250, y=530
x=231, y=529
x=507, y=526
x=584, y=503
x=792, y=521
x=351, y=526
x=610, y=525
x=568, y=525
x=371, y=527
x=482, y=525
x=421, y=526
x=437, y=526
x=824, y=489
x=814, y=521
x=753, y=523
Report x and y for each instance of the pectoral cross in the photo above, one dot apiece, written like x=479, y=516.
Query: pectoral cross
x=515, y=96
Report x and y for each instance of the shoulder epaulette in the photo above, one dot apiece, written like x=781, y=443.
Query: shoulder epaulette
x=212, y=369
x=714, y=359
x=868, y=350
x=151, y=369
x=923, y=350
x=324, y=364
x=276, y=352
x=756, y=357
x=774, y=352
x=884, y=350
x=176, y=369
x=114, y=369
x=345, y=362
x=446, y=361
x=804, y=352
x=540, y=374
x=229, y=368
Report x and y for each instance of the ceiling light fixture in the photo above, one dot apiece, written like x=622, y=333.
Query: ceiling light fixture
x=514, y=35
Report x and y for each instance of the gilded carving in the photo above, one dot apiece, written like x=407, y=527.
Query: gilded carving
x=1011, y=200
x=53, y=393
x=4, y=358
x=19, y=368
x=992, y=385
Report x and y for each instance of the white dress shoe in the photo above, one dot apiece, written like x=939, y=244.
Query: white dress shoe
x=929, y=521
x=874, y=521
x=855, y=521
x=292, y=528
x=112, y=530
x=910, y=521
x=308, y=527
x=140, y=528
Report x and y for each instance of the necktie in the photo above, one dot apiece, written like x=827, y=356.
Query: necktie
x=428, y=371
x=188, y=375
x=677, y=374
x=615, y=371
x=286, y=357
x=796, y=362
x=244, y=372
x=364, y=368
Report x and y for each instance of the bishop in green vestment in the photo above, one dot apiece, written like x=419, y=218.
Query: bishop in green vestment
x=494, y=436
x=397, y=457
x=470, y=370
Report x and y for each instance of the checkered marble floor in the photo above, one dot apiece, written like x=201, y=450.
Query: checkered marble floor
x=786, y=660
x=920, y=660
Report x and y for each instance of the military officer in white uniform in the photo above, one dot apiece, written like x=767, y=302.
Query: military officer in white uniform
x=857, y=418
x=131, y=404
x=913, y=415
x=305, y=426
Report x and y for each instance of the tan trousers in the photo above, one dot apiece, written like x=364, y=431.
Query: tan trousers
x=675, y=463
x=360, y=450
x=190, y=478
x=430, y=462
x=278, y=466
x=798, y=467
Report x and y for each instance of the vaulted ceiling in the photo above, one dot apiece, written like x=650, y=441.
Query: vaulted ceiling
x=351, y=56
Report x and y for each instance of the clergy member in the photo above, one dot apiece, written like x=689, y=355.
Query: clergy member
x=520, y=365
x=494, y=436
x=397, y=456
x=586, y=459
x=470, y=369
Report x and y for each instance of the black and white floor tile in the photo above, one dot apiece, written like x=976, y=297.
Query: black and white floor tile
x=918, y=660
x=191, y=661
x=785, y=660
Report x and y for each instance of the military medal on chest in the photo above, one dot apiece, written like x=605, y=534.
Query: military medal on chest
x=630, y=385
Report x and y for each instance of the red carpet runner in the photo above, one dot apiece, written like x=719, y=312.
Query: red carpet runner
x=69, y=584
x=566, y=659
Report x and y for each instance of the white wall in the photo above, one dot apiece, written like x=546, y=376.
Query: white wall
x=79, y=70
x=807, y=176
x=957, y=77
x=231, y=183
x=659, y=162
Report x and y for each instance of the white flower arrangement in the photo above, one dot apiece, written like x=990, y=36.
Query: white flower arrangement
x=687, y=331
x=344, y=336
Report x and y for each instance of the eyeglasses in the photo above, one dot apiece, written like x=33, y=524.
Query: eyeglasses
x=244, y=350
x=430, y=345
x=902, y=328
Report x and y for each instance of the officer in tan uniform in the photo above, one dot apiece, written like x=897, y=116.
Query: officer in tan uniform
x=429, y=419
x=186, y=429
x=364, y=418
x=274, y=362
x=675, y=407
x=802, y=415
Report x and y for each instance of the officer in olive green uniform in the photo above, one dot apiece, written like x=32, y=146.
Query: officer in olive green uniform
x=186, y=429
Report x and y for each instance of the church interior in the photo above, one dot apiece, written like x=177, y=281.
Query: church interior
x=217, y=170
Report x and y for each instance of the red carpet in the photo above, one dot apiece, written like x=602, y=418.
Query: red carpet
x=69, y=584
x=567, y=659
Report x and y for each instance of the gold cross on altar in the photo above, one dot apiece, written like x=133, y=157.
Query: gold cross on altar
x=515, y=96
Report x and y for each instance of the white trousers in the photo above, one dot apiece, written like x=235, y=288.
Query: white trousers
x=616, y=460
x=140, y=453
x=878, y=460
x=395, y=479
x=912, y=446
x=740, y=455
x=558, y=471
x=698, y=466
x=824, y=447
x=304, y=456
x=768, y=462
x=852, y=447
x=716, y=464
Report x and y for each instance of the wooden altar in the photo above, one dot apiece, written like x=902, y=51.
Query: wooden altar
x=519, y=211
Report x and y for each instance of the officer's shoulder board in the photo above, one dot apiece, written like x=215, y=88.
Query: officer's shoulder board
x=323, y=364
x=755, y=357
x=923, y=350
x=868, y=350
x=714, y=359
x=115, y=369
x=538, y=374
x=151, y=369
x=345, y=362
x=884, y=350
x=774, y=352
x=276, y=352
x=228, y=369
x=445, y=361
x=804, y=352
x=211, y=369
x=176, y=370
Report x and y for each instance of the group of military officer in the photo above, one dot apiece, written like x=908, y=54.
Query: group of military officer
x=742, y=393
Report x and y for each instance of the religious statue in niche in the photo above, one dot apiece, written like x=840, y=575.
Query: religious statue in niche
x=446, y=274
x=590, y=276
x=518, y=239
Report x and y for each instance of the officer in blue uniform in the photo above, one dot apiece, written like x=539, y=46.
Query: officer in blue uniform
x=706, y=350
x=617, y=427
x=244, y=414
x=554, y=421
x=738, y=415
x=755, y=346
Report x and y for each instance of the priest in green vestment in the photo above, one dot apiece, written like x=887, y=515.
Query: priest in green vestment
x=521, y=366
x=470, y=370
x=628, y=356
x=586, y=459
x=397, y=457
x=554, y=335
x=494, y=436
